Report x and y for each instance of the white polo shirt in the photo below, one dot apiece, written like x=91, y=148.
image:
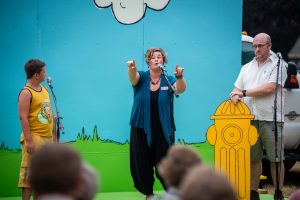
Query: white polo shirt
x=253, y=76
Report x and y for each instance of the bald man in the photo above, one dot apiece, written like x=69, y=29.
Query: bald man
x=256, y=86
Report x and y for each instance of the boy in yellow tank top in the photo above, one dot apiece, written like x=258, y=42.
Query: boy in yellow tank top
x=36, y=117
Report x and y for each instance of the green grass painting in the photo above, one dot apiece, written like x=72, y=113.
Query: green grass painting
x=109, y=158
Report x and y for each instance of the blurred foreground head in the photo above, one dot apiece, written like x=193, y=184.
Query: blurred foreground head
x=91, y=183
x=202, y=183
x=174, y=166
x=295, y=195
x=56, y=169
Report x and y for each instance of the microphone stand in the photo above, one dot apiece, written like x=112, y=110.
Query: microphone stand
x=276, y=196
x=172, y=92
x=58, y=118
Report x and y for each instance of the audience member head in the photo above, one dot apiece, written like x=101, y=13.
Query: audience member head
x=202, y=183
x=56, y=169
x=174, y=166
x=295, y=195
x=90, y=182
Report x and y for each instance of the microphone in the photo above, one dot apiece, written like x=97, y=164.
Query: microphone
x=162, y=67
x=49, y=81
x=279, y=55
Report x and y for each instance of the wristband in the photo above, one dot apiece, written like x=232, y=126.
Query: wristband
x=244, y=93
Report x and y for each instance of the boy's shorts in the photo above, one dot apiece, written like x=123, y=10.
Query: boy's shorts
x=24, y=170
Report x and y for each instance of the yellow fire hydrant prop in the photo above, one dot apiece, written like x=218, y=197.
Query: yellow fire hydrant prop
x=232, y=135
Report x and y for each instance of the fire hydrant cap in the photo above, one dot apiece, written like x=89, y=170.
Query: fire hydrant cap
x=229, y=110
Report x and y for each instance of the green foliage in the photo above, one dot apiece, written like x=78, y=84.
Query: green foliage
x=109, y=158
x=95, y=135
x=3, y=147
x=83, y=137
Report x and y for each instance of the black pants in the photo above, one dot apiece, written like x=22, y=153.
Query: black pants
x=143, y=158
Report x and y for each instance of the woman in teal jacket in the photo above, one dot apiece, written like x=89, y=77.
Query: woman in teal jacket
x=152, y=123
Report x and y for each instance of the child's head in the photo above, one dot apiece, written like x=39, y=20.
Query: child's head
x=174, y=166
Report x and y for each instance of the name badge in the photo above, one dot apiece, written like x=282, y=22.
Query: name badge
x=164, y=88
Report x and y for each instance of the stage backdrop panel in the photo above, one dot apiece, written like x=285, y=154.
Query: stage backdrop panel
x=86, y=48
x=86, y=44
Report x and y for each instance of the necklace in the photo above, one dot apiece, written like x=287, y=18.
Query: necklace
x=154, y=82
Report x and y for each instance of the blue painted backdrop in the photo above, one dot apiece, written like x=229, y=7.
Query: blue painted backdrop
x=86, y=49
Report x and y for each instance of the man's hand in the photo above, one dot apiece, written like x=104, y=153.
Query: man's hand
x=236, y=96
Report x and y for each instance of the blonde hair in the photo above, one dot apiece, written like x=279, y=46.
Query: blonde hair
x=149, y=53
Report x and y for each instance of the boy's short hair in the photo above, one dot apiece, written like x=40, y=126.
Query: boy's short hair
x=33, y=66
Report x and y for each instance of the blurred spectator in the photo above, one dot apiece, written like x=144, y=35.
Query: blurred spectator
x=202, y=183
x=91, y=183
x=173, y=168
x=295, y=195
x=57, y=172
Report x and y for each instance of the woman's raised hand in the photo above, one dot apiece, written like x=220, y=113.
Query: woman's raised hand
x=131, y=65
x=178, y=72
